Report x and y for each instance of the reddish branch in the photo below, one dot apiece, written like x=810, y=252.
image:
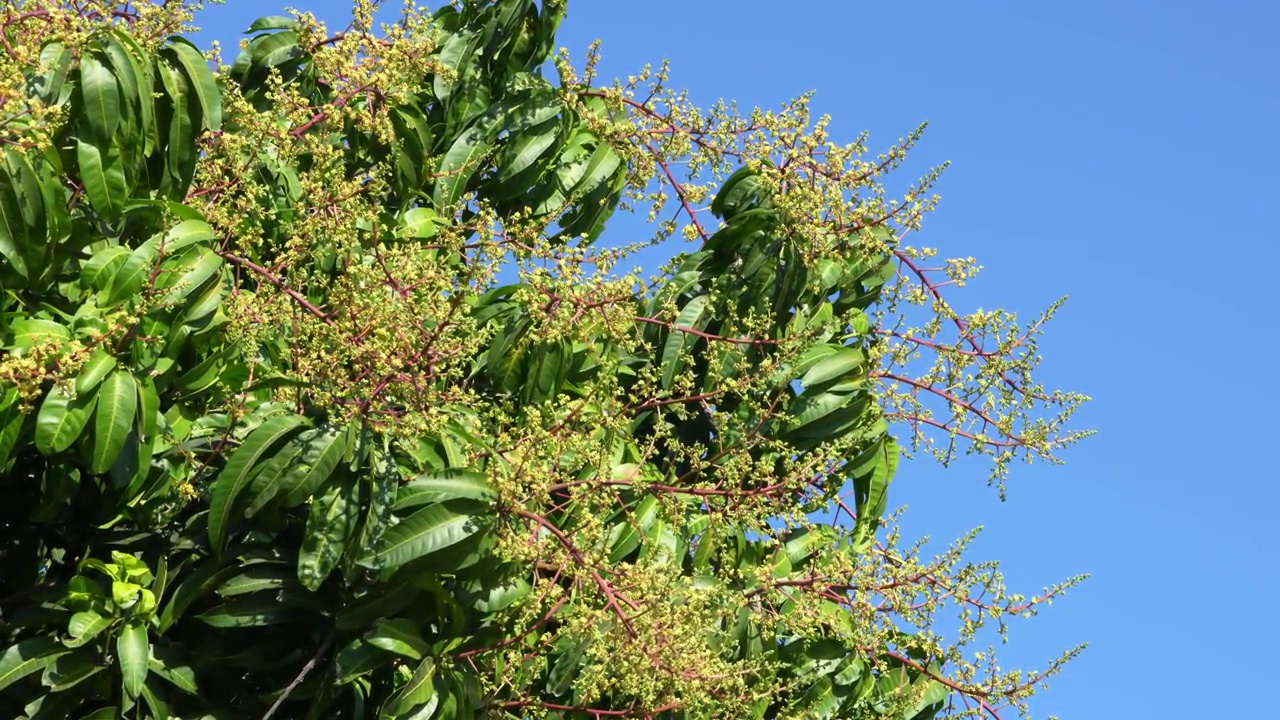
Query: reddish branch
x=278, y=283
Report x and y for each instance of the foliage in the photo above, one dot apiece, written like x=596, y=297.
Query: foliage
x=322, y=396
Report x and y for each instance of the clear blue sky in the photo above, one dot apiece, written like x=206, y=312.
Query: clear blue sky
x=1122, y=153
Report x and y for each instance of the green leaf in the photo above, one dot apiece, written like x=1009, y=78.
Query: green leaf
x=117, y=404
x=444, y=485
x=322, y=452
x=137, y=82
x=330, y=528
x=55, y=65
x=167, y=662
x=27, y=657
x=398, y=636
x=835, y=365
x=273, y=22
x=525, y=149
x=430, y=529
x=236, y=474
x=417, y=691
x=133, y=651
x=100, y=363
x=128, y=279
x=69, y=670
x=85, y=626
x=187, y=272
x=256, y=578
x=61, y=419
x=357, y=659
x=103, y=179
x=673, y=351
x=201, y=79
x=269, y=476
x=27, y=332
x=101, y=95
x=248, y=611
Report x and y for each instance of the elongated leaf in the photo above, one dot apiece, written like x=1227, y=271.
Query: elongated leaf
x=399, y=636
x=27, y=657
x=445, y=485
x=100, y=363
x=69, y=670
x=319, y=458
x=15, y=238
x=673, y=352
x=55, y=64
x=103, y=179
x=137, y=82
x=236, y=474
x=432, y=528
x=330, y=528
x=186, y=273
x=117, y=404
x=249, y=611
x=85, y=626
x=269, y=478
x=273, y=22
x=133, y=652
x=256, y=578
x=417, y=691
x=837, y=364
x=61, y=419
x=132, y=273
x=196, y=68
x=525, y=149
x=101, y=95
x=167, y=662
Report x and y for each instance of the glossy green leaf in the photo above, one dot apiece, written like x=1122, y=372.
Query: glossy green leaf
x=70, y=670
x=85, y=626
x=28, y=656
x=103, y=179
x=201, y=81
x=170, y=665
x=101, y=95
x=100, y=363
x=129, y=279
x=428, y=530
x=444, y=485
x=398, y=636
x=273, y=22
x=248, y=612
x=418, y=691
x=322, y=452
x=678, y=341
x=62, y=418
x=133, y=652
x=117, y=405
x=330, y=527
x=235, y=475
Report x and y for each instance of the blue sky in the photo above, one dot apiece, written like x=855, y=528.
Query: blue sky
x=1122, y=153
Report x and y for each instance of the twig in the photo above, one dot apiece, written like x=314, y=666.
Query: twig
x=302, y=675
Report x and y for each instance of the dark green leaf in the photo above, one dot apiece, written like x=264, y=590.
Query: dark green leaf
x=330, y=528
x=430, y=529
x=117, y=404
x=103, y=179
x=27, y=657
x=322, y=452
x=201, y=80
x=444, y=485
x=101, y=95
x=133, y=652
x=236, y=474
x=61, y=419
